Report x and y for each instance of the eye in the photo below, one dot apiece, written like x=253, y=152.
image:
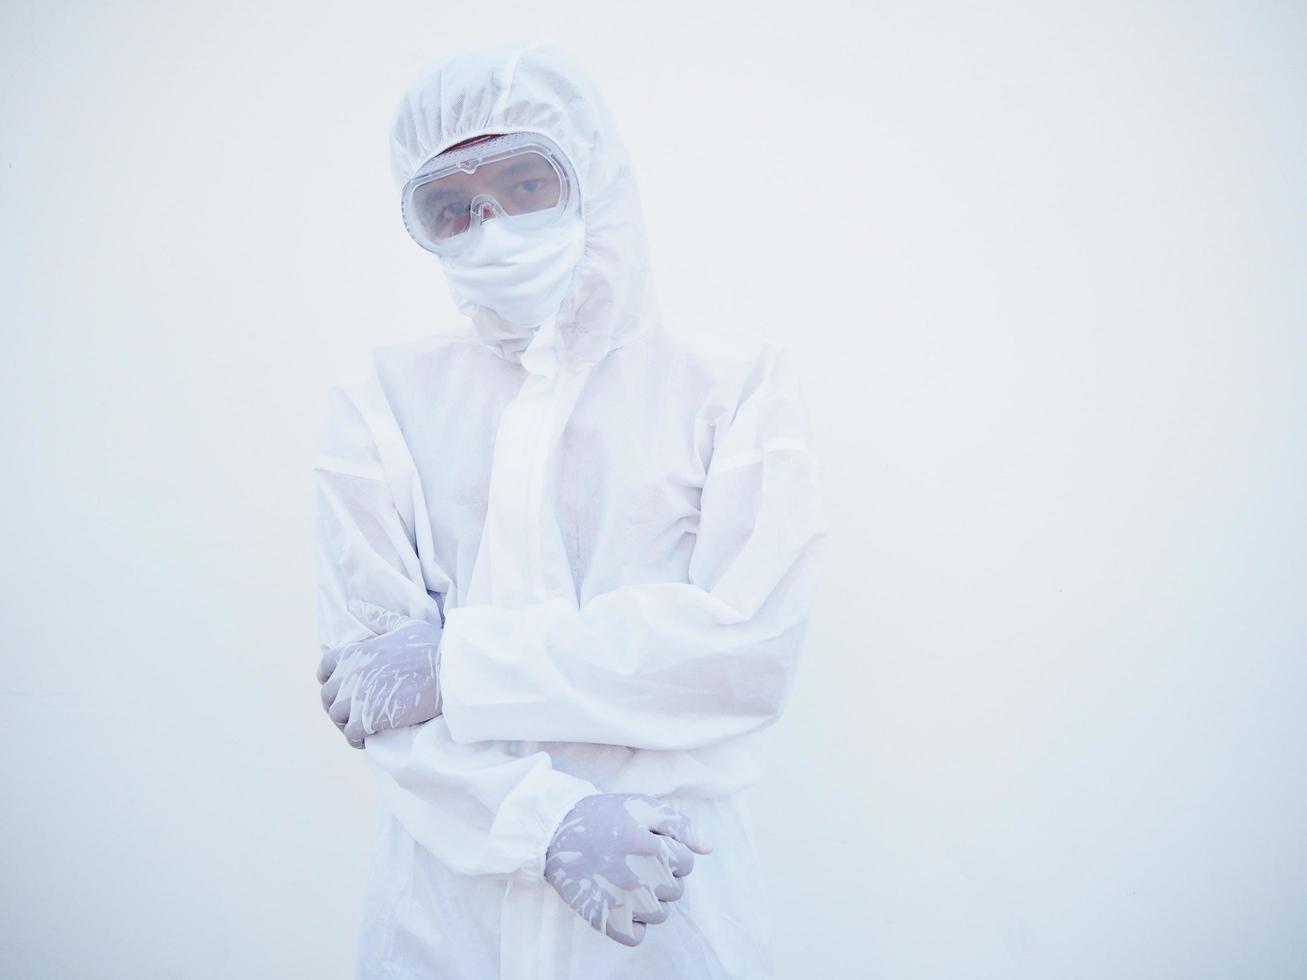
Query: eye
x=532, y=186
x=450, y=213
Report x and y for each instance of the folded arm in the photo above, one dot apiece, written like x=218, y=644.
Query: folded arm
x=480, y=809
x=666, y=665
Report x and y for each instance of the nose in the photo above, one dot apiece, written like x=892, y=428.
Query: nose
x=487, y=212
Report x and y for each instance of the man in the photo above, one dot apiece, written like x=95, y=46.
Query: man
x=565, y=561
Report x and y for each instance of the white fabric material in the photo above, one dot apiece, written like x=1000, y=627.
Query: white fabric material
x=622, y=528
x=520, y=272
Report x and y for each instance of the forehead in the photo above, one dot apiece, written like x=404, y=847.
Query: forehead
x=467, y=154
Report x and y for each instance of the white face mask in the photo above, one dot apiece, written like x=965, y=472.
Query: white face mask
x=522, y=274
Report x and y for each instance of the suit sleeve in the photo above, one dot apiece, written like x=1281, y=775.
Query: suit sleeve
x=675, y=665
x=480, y=809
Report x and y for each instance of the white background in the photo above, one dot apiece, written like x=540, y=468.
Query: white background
x=1043, y=270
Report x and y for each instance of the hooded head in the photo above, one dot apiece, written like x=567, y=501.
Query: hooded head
x=537, y=87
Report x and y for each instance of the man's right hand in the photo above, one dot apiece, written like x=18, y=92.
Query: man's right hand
x=618, y=858
x=390, y=680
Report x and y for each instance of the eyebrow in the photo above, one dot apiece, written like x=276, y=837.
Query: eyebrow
x=529, y=163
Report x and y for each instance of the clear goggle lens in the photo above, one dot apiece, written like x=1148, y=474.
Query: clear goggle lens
x=507, y=176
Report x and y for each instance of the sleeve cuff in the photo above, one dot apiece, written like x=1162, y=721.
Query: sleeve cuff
x=525, y=824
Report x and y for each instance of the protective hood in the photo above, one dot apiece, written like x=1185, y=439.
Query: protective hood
x=535, y=86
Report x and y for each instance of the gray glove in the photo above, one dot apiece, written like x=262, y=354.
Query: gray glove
x=389, y=680
x=618, y=858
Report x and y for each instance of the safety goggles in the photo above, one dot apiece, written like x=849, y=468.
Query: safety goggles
x=520, y=177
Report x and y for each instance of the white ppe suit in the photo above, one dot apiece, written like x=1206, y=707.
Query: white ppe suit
x=618, y=527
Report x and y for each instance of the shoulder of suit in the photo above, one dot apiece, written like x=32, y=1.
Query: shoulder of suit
x=731, y=365
x=388, y=361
